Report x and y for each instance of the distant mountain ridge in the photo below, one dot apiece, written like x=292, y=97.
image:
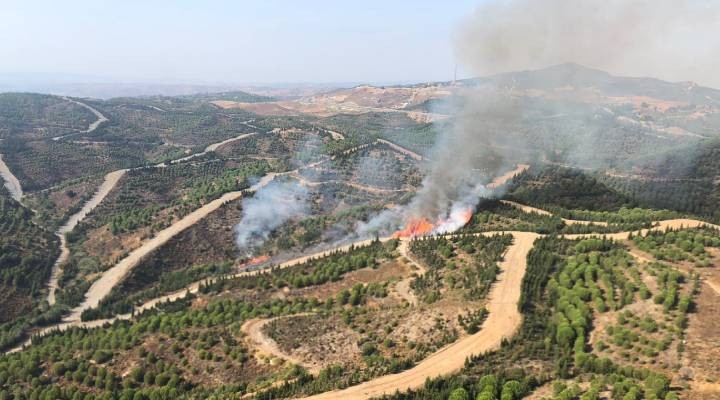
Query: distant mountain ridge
x=578, y=76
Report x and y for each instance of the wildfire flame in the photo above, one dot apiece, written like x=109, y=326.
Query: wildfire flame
x=422, y=226
x=465, y=216
x=415, y=227
x=255, y=261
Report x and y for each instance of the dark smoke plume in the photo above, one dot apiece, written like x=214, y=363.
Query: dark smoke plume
x=674, y=40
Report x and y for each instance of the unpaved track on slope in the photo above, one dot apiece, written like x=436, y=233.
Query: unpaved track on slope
x=265, y=345
x=11, y=181
x=530, y=210
x=101, y=287
x=194, y=287
x=111, y=277
x=403, y=288
x=111, y=179
x=680, y=223
x=401, y=149
x=212, y=147
x=370, y=189
x=100, y=119
x=504, y=178
x=502, y=322
x=642, y=257
x=74, y=320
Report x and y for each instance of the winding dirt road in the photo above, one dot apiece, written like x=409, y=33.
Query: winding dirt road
x=533, y=210
x=211, y=148
x=502, y=322
x=646, y=258
x=504, y=178
x=102, y=287
x=370, y=189
x=111, y=179
x=265, y=345
x=111, y=277
x=73, y=320
x=679, y=223
x=11, y=181
x=403, y=288
x=100, y=119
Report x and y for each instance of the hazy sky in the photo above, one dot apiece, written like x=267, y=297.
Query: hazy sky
x=233, y=41
x=675, y=40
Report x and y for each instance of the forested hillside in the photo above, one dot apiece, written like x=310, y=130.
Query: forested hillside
x=686, y=180
x=29, y=115
x=27, y=252
x=566, y=188
x=261, y=250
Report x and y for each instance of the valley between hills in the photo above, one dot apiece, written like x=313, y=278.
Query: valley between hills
x=235, y=245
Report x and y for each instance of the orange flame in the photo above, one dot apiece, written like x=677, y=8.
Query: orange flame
x=415, y=227
x=421, y=226
x=466, y=216
x=255, y=261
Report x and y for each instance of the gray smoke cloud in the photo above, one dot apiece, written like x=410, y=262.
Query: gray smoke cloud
x=674, y=40
x=275, y=203
x=477, y=145
x=492, y=128
x=270, y=207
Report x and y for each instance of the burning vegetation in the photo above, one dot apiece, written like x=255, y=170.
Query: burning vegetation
x=255, y=261
x=422, y=226
x=415, y=227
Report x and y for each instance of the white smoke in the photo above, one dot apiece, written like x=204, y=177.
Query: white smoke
x=672, y=39
x=271, y=206
x=456, y=217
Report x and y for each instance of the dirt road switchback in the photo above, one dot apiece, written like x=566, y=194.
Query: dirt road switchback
x=503, y=321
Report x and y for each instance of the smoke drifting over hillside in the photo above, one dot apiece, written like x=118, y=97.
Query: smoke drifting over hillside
x=667, y=38
x=477, y=146
x=491, y=126
x=272, y=206
x=501, y=122
x=674, y=40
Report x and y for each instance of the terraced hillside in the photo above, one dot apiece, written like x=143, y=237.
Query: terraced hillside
x=237, y=246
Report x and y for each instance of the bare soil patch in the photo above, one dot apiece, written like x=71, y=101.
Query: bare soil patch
x=386, y=271
x=702, y=348
x=316, y=340
x=257, y=108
